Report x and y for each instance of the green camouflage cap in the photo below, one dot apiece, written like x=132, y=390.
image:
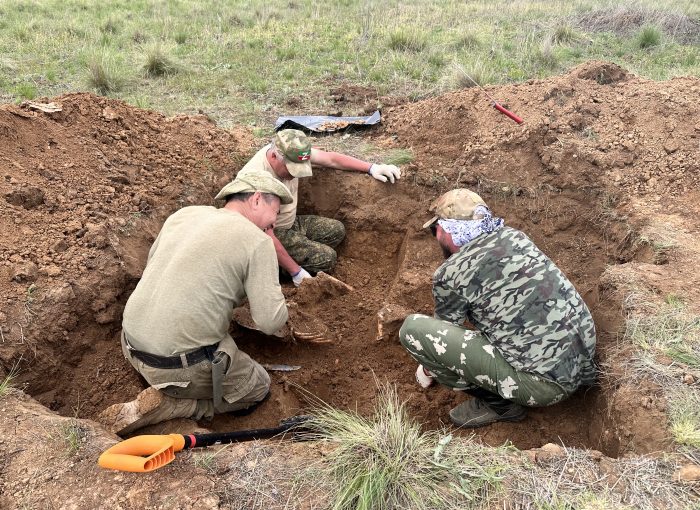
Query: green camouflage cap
x=256, y=180
x=458, y=204
x=296, y=147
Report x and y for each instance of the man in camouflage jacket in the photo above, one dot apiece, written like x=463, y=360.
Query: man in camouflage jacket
x=305, y=243
x=533, y=340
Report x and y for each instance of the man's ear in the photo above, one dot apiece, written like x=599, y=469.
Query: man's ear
x=255, y=199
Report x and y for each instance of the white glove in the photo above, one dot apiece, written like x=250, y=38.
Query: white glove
x=297, y=278
x=385, y=172
x=423, y=379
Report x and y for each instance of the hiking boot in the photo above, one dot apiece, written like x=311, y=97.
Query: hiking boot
x=149, y=407
x=475, y=413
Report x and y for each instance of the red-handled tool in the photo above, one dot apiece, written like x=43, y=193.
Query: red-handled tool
x=494, y=103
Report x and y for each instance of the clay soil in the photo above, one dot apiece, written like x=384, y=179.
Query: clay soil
x=602, y=155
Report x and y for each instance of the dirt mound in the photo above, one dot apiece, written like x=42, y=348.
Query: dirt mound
x=82, y=195
x=86, y=189
x=594, y=127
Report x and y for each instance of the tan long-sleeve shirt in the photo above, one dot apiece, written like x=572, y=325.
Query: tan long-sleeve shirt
x=288, y=212
x=204, y=262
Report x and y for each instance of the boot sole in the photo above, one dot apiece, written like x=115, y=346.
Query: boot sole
x=123, y=418
x=476, y=424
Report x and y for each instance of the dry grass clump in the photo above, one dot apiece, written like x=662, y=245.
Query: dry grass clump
x=159, y=63
x=578, y=480
x=6, y=385
x=669, y=354
x=624, y=20
x=473, y=74
x=252, y=478
x=404, y=39
x=672, y=331
x=104, y=73
x=387, y=462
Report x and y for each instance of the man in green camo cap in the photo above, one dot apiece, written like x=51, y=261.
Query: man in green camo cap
x=204, y=262
x=534, y=337
x=305, y=244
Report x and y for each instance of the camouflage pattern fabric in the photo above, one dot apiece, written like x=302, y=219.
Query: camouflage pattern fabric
x=522, y=303
x=310, y=242
x=465, y=359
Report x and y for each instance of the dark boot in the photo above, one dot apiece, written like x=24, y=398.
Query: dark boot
x=484, y=409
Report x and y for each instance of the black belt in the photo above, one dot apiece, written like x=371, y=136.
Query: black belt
x=194, y=357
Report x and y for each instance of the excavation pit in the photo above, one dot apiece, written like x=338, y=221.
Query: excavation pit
x=388, y=261
x=570, y=178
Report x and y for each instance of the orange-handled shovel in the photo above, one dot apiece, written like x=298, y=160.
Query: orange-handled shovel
x=141, y=454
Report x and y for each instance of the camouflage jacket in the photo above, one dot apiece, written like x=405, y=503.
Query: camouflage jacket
x=516, y=296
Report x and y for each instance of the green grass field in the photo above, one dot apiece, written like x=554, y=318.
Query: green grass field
x=240, y=61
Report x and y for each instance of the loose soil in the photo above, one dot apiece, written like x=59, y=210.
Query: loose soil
x=601, y=157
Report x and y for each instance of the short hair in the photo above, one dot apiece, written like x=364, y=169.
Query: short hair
x=245, y=195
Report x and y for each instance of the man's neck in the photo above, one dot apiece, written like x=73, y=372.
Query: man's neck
x=238, y=207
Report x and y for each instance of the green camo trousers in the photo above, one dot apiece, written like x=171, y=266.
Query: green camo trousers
x=465, y=359
x=310, y=242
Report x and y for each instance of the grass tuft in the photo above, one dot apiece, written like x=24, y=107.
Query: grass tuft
x=26, y=91
x=105, y=74
x=672, y=331
x=386, y=461
x=73, y=435
x=6, y=383
x=477, y=71
x=685, y=417
x=546, y=56
x=468, y=41
x=181, y=36
x=398, y=157
x=669, y=342
x=649, y=37
x=404, y=39
x=159, y=63
x=564, y=34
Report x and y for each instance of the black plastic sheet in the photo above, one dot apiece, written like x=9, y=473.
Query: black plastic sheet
x=325, y=123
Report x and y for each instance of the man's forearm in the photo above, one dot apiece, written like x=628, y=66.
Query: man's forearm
x=284, y=259
x=340, y=161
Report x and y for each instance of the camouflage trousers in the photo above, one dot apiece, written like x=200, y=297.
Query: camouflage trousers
x=465, y=359
x=310, y=242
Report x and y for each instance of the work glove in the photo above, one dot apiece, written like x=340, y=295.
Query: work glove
x=423, y=378
x=299, y=276
x=385, y=172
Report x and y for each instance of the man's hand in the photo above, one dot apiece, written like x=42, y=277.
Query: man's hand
x=299, y=276
x=385, y=172
x=423, y=377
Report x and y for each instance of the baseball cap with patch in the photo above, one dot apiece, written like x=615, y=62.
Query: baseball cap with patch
x=458, y=204
x=257, y=180
x=296, y=147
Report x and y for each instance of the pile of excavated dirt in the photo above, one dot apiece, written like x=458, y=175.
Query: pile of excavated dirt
x=602, y=157
x=83, y=194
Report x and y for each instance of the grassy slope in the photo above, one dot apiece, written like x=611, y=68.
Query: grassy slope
x=241, y=60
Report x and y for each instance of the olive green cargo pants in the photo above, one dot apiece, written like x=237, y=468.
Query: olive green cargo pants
x=244, y=383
